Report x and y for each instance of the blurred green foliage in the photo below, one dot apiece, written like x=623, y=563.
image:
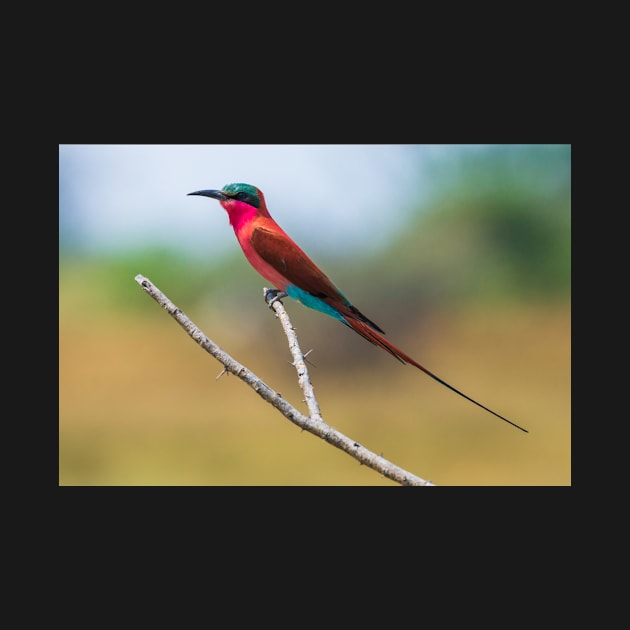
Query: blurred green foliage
x=504, y=245
x=511, y=206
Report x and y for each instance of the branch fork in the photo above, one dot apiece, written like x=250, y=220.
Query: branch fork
x=313, y=422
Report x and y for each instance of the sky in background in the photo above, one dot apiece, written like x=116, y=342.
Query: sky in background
x=327, y=197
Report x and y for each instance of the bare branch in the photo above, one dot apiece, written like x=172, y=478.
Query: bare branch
x=313, y=424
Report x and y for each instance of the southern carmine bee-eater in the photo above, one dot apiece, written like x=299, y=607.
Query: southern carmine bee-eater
x=278, y=259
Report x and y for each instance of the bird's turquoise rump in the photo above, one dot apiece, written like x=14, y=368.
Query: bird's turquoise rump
x=313, y=302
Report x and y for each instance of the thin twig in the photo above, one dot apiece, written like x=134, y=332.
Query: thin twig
x=299, y=363
x=313, y=424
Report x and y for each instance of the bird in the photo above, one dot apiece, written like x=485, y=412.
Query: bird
x=278, y=259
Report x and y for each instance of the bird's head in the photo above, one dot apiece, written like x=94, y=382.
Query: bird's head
x=244, y=193
x=241, y=201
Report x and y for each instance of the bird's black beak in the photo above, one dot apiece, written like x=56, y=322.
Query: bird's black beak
x=215, y=194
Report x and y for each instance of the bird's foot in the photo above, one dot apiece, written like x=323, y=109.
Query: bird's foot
x=275, y=295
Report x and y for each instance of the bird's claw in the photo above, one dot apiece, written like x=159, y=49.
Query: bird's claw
x=275, y=294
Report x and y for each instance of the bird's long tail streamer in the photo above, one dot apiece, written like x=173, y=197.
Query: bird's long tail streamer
x=373, y=337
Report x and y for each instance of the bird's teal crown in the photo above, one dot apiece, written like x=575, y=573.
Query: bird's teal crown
x=243, y=192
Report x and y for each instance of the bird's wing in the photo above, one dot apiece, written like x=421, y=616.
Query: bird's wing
x=277, y=249
x=283, y=254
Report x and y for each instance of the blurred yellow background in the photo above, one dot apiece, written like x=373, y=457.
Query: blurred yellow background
x=476, y=288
